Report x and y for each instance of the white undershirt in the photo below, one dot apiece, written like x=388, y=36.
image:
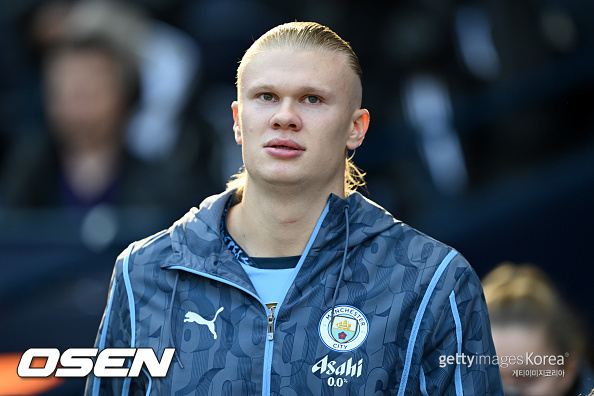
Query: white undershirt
x=271, y=284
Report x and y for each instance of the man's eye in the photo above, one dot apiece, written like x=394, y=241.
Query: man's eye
x=312, y=99
x=267, y=97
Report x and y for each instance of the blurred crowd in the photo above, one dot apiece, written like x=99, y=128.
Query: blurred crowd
x=115, y=119
x=461, y=93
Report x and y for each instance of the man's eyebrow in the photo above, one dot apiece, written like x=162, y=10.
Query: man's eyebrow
x=317, y=90
x=308, y=89
x=261, y=87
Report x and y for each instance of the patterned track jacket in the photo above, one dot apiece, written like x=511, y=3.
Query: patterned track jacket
x=409, y=313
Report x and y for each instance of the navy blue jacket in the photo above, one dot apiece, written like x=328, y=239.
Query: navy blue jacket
x=409, y=313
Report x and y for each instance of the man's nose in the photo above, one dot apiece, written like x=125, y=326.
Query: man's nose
x=286, y=116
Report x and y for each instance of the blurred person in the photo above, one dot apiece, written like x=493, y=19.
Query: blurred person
x=91, y=86
x=169, y=67
x=530, y=319
x=290, y=281
x=90, y=91
x=168, y=62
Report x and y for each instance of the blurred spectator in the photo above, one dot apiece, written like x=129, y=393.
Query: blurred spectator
x=27, y=30
x=530, y=321
x=91, y=87
x=168, y=65
x=168, y=62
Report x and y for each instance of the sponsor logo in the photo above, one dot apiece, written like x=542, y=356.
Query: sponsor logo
x=78, y=362
x=338, y=374
x=347, y=331
x=194, y=317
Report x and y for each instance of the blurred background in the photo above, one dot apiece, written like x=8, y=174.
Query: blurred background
x=115, y=119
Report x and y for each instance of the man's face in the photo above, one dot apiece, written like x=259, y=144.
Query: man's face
x=296, y=115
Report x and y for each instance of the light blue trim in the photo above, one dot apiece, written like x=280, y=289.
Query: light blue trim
x=268, y=349
x=310, y=243
x=218, y=279
x=132, y=309
x=150, y=383
x=314, y=234
x=457, y=376
x=419, y=317
x=423, y=382
x=107, y=316
x=126, y=386
x=130, y=294
x=97, y=380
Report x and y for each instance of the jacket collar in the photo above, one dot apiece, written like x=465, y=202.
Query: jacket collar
x=197, y=246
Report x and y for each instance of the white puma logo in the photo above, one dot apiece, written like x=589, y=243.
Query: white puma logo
x=194, y=317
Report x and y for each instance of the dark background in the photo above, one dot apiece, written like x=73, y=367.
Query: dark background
x=519, y=108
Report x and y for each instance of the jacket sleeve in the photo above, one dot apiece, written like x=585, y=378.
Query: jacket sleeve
x=461, y=359
x=114, y=330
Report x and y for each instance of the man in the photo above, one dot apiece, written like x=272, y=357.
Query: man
x=289, y=282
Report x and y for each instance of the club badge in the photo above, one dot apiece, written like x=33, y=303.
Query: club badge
x=347, y=331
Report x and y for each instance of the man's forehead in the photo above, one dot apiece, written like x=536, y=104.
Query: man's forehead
x=300, y=58
x=316, y=69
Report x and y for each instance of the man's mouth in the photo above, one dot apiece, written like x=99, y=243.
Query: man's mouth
x=284, y=144
x=284, y=147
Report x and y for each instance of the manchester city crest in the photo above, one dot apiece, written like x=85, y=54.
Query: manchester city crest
x=346, y=331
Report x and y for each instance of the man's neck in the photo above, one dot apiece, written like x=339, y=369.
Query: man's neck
x=275, y=225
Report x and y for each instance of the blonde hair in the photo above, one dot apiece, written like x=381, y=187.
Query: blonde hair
x=303, y=36
x=524, y=294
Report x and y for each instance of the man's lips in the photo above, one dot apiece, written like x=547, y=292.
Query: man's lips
x=284, y=149
x=285, y=144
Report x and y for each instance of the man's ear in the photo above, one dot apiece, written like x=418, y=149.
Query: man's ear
x=236, y=127
x=361, y=120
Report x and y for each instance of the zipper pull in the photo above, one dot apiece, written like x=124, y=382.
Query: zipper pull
x=271, y=323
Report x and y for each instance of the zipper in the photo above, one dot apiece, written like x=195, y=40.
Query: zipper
x=268, y=350
x=271, y=324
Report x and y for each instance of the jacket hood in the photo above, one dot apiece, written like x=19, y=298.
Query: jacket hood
x=366, y=220
x=198, y=231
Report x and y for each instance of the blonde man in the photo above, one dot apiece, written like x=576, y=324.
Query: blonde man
x=290, y=282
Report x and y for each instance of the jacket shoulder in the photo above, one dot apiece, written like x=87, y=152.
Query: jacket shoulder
x=151, y=250
x=415, y=255
x=416, y=246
